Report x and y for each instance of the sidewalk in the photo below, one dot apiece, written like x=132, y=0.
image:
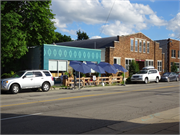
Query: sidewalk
x=166, y=122
x=93, y=88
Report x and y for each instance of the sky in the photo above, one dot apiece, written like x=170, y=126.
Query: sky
x=157, y=19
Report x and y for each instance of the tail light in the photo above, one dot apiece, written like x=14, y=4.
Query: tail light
x=52, y=78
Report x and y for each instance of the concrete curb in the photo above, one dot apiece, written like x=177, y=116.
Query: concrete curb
x=159, y=123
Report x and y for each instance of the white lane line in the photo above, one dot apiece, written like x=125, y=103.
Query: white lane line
x=21, y=116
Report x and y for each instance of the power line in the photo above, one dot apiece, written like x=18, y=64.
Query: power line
x=107, y=18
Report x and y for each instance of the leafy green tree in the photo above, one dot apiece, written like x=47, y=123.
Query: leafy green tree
x=174, y=67
x=133, y=67
x=62, y=38
x=23, y=24
x=81, y=35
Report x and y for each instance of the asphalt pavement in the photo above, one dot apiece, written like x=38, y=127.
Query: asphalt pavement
x=165, y=122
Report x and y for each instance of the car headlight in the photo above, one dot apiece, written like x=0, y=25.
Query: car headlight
x=5, y=82
x=140, y=76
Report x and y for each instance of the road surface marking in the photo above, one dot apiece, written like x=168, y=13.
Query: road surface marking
x=86, y=96
x=21, y=116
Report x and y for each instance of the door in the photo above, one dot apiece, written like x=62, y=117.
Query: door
x=28, y=80
x=151, y=75
x=39, y=79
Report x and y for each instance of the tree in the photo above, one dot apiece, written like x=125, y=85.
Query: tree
x=174, y=67
x=133, y=67
x=23, y=24
x=81, y=35
x=61, y=38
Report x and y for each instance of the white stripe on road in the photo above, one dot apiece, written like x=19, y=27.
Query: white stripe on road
x=21, y=116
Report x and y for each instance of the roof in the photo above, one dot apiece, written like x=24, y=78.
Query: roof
x=92, y=43
x=95, y=43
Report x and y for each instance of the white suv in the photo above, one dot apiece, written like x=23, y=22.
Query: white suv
x=28, y=79
x=147, y=74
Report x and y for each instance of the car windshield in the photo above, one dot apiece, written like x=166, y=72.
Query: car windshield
x=166, y=74
x=142, y=72
x=18, y=74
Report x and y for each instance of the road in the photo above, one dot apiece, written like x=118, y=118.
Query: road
x=80, y=111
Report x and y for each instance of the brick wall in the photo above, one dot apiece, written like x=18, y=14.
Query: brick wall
x=173, y=45
x=122, y=49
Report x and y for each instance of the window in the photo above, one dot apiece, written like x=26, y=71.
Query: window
x=127, y=63
x=173, y=53
x=136, y=45
x=132, y=44
x=149, y=63
x=159, y=65
x=38, y=74
x=177, y=65
x=117, y=60
x=46, y=73
x=29, y=74
x=144, y=46
x=147, y=47
x=140, y=46
x=178, y=54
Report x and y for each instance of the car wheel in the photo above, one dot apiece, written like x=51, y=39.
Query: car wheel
x=34, y=89
x=45, y=87
x=168, y=80
x=177, y=79
x=157, y=79
x=146, y=81
x=15, y=88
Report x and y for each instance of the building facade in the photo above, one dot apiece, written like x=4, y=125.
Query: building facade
x=171, y=49
x=123, y=49
x=56, y=58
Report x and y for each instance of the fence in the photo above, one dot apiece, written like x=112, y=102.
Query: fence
x=88, y=80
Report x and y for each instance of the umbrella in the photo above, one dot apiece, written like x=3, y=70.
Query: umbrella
x=108, y=67
x=96, y=67
x=80, y=67
x=119, y=67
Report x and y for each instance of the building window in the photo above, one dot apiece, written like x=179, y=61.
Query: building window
x=173, y=53
x=140, y=46
x=177, y=65
x=117, y=60
x=178, y=54
x=136, y=45
x=144, y=46
x=127, y=63
x=132, y=44
x=149, y=63
x=160, y=66
x=147, y=47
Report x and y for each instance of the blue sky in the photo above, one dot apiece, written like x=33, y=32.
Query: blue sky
x=157, y=19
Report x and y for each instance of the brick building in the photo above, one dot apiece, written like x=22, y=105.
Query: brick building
x=123, y=49
x=171, y=49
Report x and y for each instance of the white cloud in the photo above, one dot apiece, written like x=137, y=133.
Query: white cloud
x=172, y=35
x=155, y=20
x=125, y=17
x=174, y=25
x=117, y=28
x=94, y=37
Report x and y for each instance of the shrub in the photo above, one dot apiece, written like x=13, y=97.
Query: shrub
x=174, y=68
x=133, y=68
x=7, y=75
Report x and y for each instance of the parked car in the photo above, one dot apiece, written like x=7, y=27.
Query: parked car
x=170, y=76
x=147, y=74
x=28, y=79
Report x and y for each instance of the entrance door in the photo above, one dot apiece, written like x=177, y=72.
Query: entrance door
x=141, y=64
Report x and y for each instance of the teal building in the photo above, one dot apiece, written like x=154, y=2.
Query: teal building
x=56, y=57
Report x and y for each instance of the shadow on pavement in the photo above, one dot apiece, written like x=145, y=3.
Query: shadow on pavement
x=41, y=124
